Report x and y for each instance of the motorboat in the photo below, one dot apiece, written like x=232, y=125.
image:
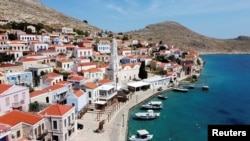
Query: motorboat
x=205, y=87
x=141, y=135
x=154, y=105
x=150, y=114
x=162, y=97
x=180, y=89
x=191, y=86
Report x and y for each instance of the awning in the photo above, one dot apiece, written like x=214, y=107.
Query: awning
x=100, y=102
x=138, y=84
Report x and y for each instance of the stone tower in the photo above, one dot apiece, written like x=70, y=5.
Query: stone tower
x=114, y=63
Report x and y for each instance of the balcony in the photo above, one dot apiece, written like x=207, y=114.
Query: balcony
x=17, y=104
x=40, y=136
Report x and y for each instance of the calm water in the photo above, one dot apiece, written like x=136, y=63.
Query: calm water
x=185, y=116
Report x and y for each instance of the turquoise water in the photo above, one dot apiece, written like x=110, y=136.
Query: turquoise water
x=185, y=117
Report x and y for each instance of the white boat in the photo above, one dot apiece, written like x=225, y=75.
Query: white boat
x=150, y=114
x=162, y=97
x=141, y=135
x=180, y=89
x=205, y=87
x=154, y=105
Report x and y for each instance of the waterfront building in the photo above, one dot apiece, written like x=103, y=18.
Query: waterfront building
x=79, y=100
x=60, y=121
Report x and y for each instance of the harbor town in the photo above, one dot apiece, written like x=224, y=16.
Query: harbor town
x=55, y=86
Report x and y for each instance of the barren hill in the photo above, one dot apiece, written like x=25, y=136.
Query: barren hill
x=32, y=11
x=169, y=32
x=174, y=33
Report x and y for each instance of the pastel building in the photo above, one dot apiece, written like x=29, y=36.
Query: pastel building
x=24, y=126
x=6, y=68
x=13, y=97
x=19, y=78
x=79, y=100
x=61, y=122
x=38, y=46
x=83, y=51
x=26, y=37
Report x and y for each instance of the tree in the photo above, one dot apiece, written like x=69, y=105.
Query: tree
x=34, y=107
x=143, y=74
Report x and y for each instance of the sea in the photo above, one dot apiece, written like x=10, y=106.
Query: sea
x=186, y=116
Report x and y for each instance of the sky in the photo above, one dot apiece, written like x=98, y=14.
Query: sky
x=223, y=19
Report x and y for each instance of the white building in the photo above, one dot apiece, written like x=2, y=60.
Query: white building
x=61, y=122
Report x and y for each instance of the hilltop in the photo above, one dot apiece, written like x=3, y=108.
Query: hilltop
x=32, y=11
x=170, y=32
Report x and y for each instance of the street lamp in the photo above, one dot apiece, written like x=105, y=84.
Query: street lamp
x=122, y=120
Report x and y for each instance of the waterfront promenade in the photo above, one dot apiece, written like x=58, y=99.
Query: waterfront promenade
x=115, y=129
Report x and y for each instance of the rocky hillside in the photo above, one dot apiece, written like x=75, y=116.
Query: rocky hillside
x=169, y=32
x=33, y=11
x=173, y=33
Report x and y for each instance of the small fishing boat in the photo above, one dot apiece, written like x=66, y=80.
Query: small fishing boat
x=150, y=114
x=141, y=135
x=180, y=89
x=205, y=87
x=162, y=97
x=155, y=105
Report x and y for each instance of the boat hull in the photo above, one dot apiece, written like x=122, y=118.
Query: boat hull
x=135, y=138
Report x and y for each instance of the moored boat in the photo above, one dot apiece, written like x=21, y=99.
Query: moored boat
x=141, y=135
x=162, y=97
x=180, y=89
x=205, y=87
x=155, y=105
x=150, y=114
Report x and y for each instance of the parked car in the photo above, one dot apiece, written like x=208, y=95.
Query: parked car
x=79, y=126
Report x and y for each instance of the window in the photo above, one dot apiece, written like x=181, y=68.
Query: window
x=18, y=134
x=68, y=120
x=73, y=116
x=7, y=101
x=54, y=124
x=89, y=94
x=65, y=136
x=65, y=123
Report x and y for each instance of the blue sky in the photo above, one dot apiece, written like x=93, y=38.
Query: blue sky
x=222, y=19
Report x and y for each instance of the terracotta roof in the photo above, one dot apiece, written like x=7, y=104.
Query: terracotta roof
x=86, y=64
x=65, y=60
x=76, y=78
x=103, y=81
x=52, y=74
x=15, y=117
x=130, y=65
x=37, y=93
x=93, y=70
x=90, y=85
x=63, y=83
x=49, y=80
x=8, y=65
x=56, y=110
x=27, y=59
x=4, y=87
x=78, y=93
x=54, y=87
